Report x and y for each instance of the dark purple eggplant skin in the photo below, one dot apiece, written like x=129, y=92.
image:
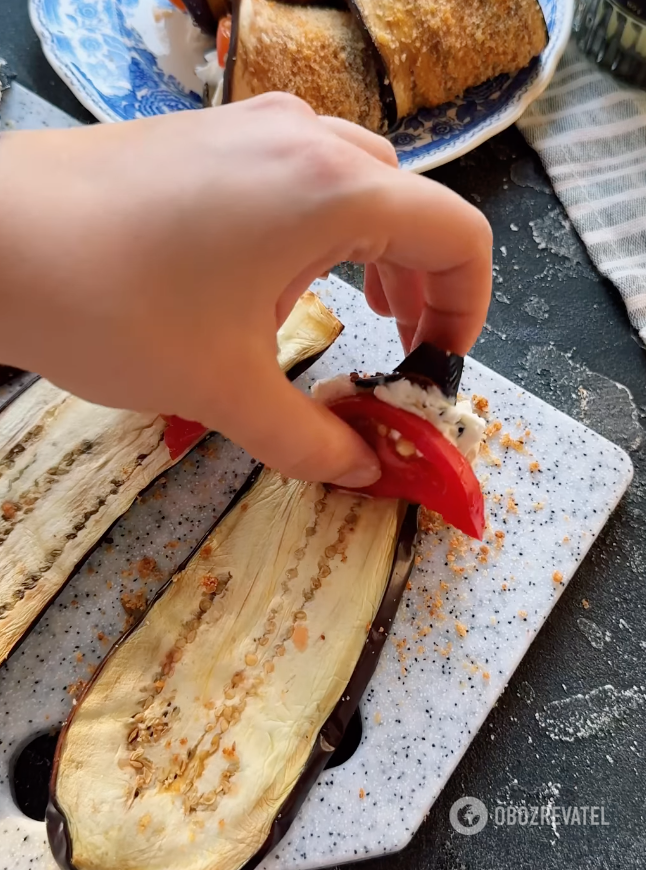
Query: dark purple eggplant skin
x=291, y=375
x=332, y=731
x=426, y=365
x=227, y=79
x=200, y=12
x=13, y=383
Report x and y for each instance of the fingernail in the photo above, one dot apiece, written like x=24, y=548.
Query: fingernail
x=359, y=477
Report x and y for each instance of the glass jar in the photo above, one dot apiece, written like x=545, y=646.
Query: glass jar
x=613, y=34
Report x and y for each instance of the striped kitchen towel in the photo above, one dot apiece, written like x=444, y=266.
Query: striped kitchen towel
x=590, y=132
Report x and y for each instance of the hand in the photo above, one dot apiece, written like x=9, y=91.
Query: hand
x=147, y=265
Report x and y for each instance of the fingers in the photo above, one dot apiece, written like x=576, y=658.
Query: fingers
x=378, y=146
x=434, y=256
x=374, y=291
x=302, y=439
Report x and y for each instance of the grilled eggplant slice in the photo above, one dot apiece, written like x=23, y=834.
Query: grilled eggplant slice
x=200, y=735
x=69, y=469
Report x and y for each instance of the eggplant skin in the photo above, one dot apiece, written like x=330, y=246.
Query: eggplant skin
x=260, y=696
x=70, y=469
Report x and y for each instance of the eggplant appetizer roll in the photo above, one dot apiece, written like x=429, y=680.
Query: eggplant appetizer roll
x=434, y=50
x=426, y=441
x=200, y=735
x=384, y=61
x=69, y=469
x=319, y=54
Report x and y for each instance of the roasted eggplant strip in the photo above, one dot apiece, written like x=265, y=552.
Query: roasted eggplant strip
x=69, y=469
x=199, y=736
x=319, y=54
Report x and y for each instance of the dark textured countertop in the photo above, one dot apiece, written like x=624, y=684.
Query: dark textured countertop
x=569, y=730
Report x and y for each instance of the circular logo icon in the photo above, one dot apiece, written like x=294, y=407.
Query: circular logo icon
x=468, y=816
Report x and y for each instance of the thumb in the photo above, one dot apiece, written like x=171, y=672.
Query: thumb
x=302, y=439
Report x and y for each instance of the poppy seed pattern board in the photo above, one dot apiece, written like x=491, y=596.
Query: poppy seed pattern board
x=465, y=623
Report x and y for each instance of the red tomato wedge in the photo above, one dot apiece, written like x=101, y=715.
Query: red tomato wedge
x=180, y=435
x=223, y=39
x=440, y=479
x=178, y=5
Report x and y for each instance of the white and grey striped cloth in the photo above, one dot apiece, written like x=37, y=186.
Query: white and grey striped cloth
x=590, y=132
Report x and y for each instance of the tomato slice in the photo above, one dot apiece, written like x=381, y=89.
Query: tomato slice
x=440, y=479
x=178, y=5
x=180, y=435
x=223, y=39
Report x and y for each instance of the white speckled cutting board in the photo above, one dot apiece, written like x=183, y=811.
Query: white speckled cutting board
x=469, y=617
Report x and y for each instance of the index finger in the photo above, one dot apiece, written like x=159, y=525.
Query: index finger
x=425, y=229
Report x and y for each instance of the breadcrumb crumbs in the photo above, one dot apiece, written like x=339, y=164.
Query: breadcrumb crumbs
x=534, y=467
x=557, y=577
x=585, y=603
x=486, y=675
x=480, y=404
x=377, y=718
x=461, y=629
x=522, y=614
x=515, y=443
x=538, y=505
x=493, y=428
x=512, y=507
x=362, y=794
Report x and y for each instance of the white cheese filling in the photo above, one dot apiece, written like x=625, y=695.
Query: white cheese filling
x=212, y=74
x=457, y=422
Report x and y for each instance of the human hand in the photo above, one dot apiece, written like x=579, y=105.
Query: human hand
x=147, y=265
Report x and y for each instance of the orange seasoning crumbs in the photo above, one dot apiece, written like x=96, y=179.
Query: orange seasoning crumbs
x=480, y=404
x=585, y=603
x=9, y=510
x=486, y=675
x=362, y=794
x=557, y=577
x=147, y=568
x=493, y=428
x=377, y=718
x=461, y=629
x=512, y=507
x=75, y=689
x=500, y=537
x=209, y=583
x=534, y=466
x=515, y=443
x=522, y=614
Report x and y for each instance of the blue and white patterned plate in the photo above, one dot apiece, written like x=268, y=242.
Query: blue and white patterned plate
x=130, y=58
